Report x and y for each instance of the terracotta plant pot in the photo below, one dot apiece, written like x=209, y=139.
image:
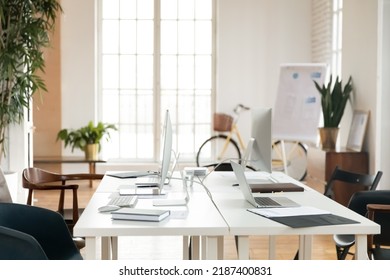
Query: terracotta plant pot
x=328, y=137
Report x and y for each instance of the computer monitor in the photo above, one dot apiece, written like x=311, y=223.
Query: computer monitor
x=261, y=155
x=166, y=148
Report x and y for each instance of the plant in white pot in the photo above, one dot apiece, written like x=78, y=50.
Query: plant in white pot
x=333, y=101
x=25, y=32
x=87, y=138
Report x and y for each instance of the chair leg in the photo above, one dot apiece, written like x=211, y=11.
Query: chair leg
x=296, y=257
x=342, y=252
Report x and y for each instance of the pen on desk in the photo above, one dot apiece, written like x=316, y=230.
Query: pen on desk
x=235, y=185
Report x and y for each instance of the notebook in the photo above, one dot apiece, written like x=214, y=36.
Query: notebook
x=275, y=187
x=259, y=201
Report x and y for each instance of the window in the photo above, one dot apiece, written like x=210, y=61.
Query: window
x=337, y=37
x=327, y=33
x=155, y=55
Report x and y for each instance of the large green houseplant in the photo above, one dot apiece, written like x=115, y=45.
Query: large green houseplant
x=334, y=98
x=25, y=31
x=87, y=138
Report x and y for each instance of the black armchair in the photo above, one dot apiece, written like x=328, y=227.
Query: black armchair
x=16, y=245
x=355, y=182
x=47, y=227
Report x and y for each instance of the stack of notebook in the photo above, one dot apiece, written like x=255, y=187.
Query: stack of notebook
x=135, y=214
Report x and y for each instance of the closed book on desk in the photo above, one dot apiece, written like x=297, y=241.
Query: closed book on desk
x=154, y=215
x=275, y=187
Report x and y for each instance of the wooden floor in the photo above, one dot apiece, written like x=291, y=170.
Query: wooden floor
x=170, y=247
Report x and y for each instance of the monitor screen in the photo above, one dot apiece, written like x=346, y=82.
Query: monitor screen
x=261, y=154
x=166, y=147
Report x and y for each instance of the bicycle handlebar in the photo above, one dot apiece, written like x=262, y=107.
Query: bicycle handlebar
x=240, y=107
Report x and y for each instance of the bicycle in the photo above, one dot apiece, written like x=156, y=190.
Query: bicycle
x=286, y=155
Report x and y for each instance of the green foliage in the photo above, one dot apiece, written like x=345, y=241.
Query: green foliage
x=24, y=32
x=334, y=100
x=89, y=134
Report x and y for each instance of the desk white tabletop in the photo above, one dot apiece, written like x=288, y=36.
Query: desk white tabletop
x=233, y=207
x=199, y=217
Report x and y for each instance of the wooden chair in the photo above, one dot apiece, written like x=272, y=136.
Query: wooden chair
x=39, y=179
x=378, y=245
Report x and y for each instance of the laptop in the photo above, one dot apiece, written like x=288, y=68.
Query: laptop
x=261, y=201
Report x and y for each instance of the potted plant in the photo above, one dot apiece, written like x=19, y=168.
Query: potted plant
x=25, y=31
x=86, y=138
x=333, y=101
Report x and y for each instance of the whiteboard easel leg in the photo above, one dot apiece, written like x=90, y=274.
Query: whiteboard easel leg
x=284, y=157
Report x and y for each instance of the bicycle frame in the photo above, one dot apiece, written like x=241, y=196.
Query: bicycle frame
x=235, y=131
x=288, y=156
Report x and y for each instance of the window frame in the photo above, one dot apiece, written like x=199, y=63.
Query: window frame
x=157, y=118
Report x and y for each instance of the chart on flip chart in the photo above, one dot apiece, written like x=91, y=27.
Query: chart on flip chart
x=298, y=103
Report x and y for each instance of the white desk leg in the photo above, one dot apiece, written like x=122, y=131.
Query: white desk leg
x=106, y=248
x=186, y=251
x=272, y=247
x=361, y=247
x=203, y=245
x=114, y=247
x=220, y=247
x=243, y=247
x=90, y=248
x=195, y=247
x=212, y=247
x=305, y=247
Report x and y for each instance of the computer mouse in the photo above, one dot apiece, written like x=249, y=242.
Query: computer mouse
x=108, y=208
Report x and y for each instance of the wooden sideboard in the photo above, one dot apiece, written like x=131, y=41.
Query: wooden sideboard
x=321, y=164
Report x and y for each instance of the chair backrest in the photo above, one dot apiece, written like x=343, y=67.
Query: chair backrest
x=16, y=245
x=351, y=183
x=35, y=175
x=5, y=195
x=359, y=202
x=46, y=226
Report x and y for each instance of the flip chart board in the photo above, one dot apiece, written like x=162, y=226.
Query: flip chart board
x=298, y=103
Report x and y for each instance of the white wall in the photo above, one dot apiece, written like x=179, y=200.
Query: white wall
x=253, y=38
x=382, y=143
x=78, y=64
x=362, y=59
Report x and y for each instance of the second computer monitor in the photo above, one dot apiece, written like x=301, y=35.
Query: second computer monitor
x=261, y=155
x=166, y=148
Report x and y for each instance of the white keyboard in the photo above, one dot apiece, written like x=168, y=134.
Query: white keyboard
x=124, y=201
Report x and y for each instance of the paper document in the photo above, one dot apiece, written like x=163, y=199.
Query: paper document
x=288, y=211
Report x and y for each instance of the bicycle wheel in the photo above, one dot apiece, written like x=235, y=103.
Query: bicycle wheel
x=210, y=152
x=296, y=159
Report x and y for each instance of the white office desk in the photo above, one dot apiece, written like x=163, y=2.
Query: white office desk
x=199, y=218
x=242, y=223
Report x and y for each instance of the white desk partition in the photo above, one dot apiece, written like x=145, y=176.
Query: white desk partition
x=242, y=223
x=227, y=215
